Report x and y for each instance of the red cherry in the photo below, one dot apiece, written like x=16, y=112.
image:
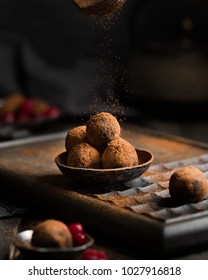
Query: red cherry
x=51, y=112
x=8, y=118
x=78, y=234
x=25, y=112
x=78, y=239
x=91, y=254
x=27, y=107
x=76, y=228
x=22, y=117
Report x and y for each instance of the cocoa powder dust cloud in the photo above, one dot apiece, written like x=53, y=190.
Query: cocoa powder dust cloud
x=108, y=58
x=106, y=68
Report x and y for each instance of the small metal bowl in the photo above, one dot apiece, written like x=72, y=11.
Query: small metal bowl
x=105, y=176
x=99, y=7
x=22, y=241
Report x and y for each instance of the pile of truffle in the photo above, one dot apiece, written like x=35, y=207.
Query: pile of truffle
x=98, y=145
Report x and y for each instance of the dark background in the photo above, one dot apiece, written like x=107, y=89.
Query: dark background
x=151, y=57
x=57, y=30
x=52, y=50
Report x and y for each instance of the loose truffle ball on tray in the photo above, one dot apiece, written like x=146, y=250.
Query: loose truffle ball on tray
x=101, y=129
x=51, y=233
x=75, y=136
x=188, y=184
x=84, y=156
x=119, y=153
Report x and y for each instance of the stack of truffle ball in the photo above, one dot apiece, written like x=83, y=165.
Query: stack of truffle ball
x=98, y=145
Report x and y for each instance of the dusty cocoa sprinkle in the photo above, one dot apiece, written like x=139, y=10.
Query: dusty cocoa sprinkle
x=120, y=201
x=188, y=184
x=131, y=200
x=163, y=144
x=119, y=153
x=75, y=136
x=45, y=153
x=83, y=155
x=51, y=233
x=101, y=129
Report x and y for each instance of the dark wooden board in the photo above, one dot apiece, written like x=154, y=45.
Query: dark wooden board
x=30, y=177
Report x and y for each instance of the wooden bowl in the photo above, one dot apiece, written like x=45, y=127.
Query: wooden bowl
x=105, y=176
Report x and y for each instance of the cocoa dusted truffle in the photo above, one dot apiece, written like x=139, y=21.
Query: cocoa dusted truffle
x=119, y=153
x=51, y=233
x=84, y=156
x=75, y=136
x=101, y=129
x=188, y=184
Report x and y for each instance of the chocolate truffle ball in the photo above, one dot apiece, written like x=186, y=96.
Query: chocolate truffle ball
x=75, y=136
x=51, y=233
x=84, y=156
x=188, y=184
x=119, y=153
x=101, y=129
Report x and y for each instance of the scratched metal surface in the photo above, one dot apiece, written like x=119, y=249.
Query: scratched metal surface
x=149, y=195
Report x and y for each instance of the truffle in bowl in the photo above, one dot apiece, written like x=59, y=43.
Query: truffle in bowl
x=105, y=176
x=50, y=240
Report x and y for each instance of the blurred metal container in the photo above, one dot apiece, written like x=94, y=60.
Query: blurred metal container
x=168, y=66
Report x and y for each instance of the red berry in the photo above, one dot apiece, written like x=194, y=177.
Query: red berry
x=22, y=117
x=25, y=112
x=76, y=228
x=91, y=254
x=27, y=107
x=8, y=118
x=78, y=234
x=51, y=112
x=78, y=239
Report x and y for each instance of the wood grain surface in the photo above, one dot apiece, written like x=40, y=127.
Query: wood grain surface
x=30, y=177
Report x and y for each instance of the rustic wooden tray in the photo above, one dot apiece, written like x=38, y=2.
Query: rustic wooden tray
x=137, y=213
